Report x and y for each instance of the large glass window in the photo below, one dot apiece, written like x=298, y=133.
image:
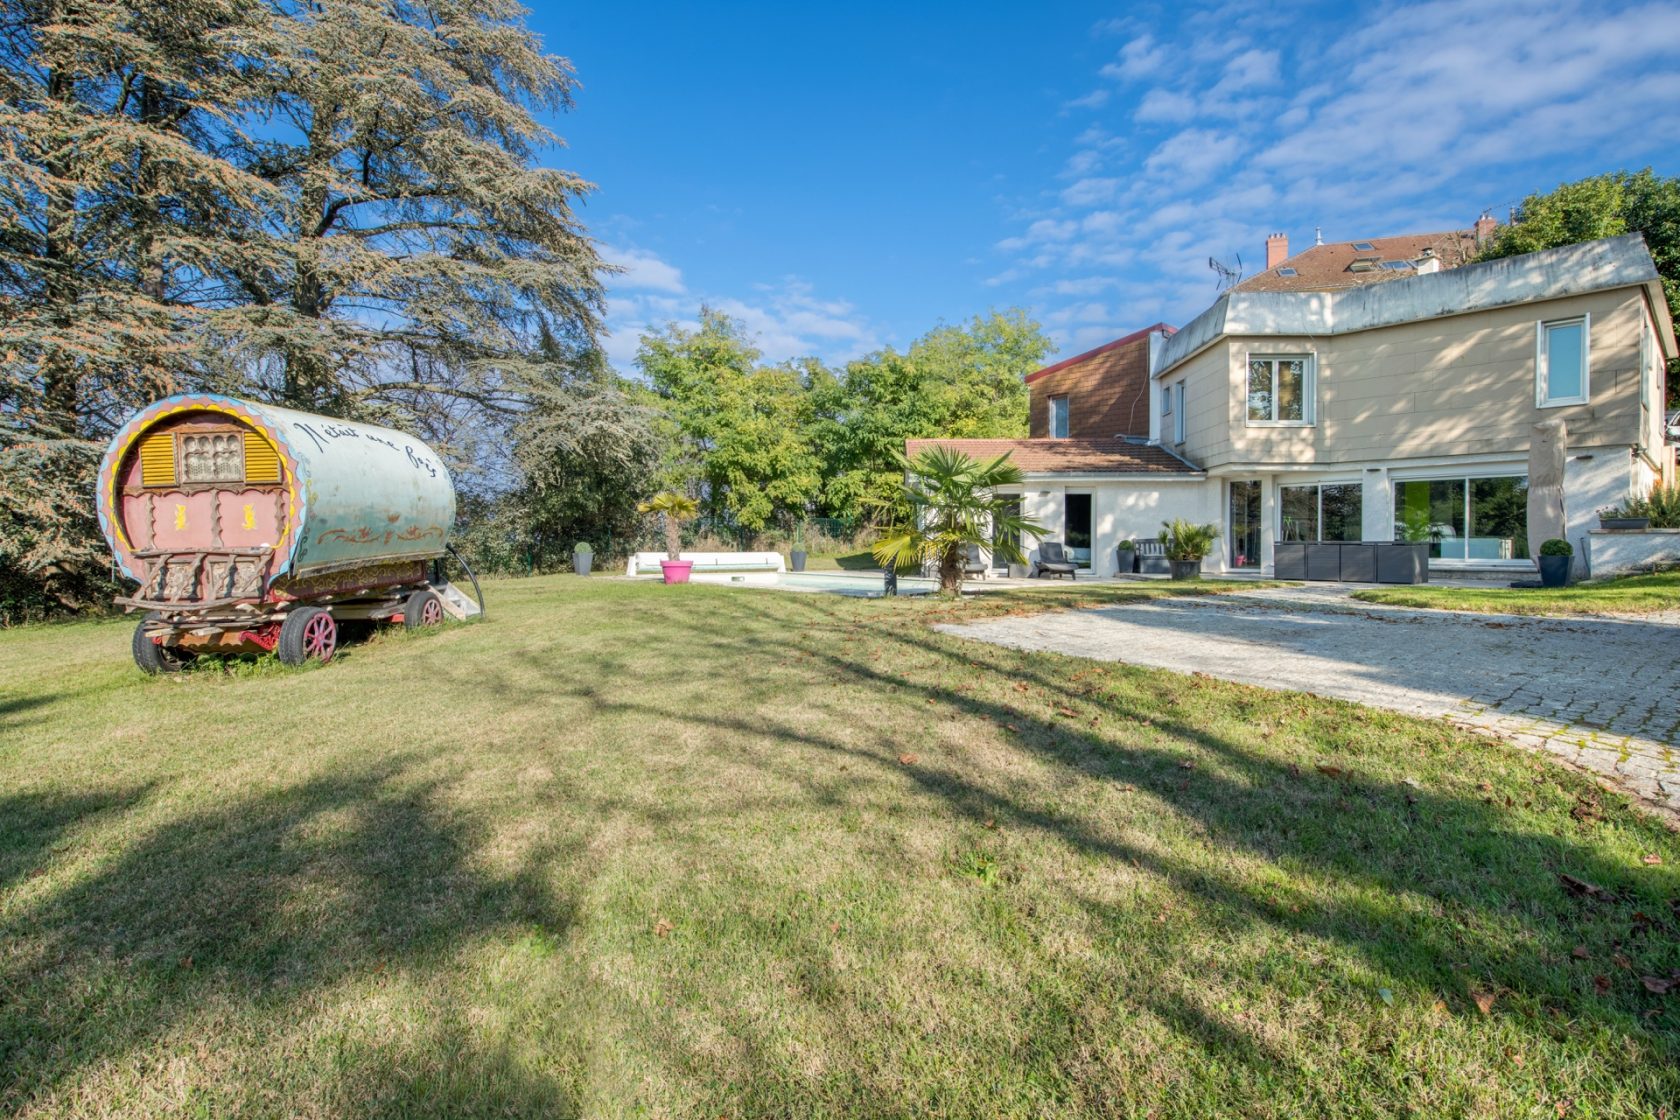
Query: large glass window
x=1465, y=518
x=1562, y=362
x=1329, y=512
x=1245, y=524
x=1279, y=390
x=1058, y=418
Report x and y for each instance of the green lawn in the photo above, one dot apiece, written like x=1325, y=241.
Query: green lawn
x=629, y=850
x=1645, y=594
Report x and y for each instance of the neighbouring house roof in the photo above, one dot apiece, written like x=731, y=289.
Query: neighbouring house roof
x=1569, y=270
x=1331, y=266
x=1103, y=349
x=1068, y=456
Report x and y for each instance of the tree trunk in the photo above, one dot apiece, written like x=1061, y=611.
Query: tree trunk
x=673, y=538
x=950, y=572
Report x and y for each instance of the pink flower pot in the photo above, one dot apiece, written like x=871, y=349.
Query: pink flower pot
x=676, y=571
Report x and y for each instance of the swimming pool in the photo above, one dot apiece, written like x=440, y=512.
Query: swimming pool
x=865, y=585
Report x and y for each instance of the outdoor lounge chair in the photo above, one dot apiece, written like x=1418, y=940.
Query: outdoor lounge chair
x=974, y=565
x=1053, y=560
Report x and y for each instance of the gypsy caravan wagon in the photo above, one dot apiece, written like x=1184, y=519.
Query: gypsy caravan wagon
x=254, y=528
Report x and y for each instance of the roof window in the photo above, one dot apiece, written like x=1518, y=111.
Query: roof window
x=1364, y=247
x=1287, y=272
x=1364, y=264
x=1398, y=266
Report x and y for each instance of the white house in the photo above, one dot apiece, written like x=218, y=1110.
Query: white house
x=1342, y=415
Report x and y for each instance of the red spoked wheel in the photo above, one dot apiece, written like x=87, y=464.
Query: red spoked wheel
x=423, y=608
x=308, y=634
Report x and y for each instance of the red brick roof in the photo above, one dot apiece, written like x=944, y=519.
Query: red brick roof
x=1066, y=456
x=1324, y=268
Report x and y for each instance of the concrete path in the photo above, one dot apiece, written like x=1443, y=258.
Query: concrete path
x=1603, y=693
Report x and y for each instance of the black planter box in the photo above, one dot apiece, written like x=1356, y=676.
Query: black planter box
x=1324, y=561
x=1402, y=563
x=1289, y=560
x=1359, y=563
x=1554, y=571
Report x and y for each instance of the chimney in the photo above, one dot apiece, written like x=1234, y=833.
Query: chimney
x=1485, y=225
x=1277, y=249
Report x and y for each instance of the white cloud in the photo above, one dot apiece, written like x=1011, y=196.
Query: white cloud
x=1086, y=192
x=1165, y=106
x=1096, y=99
x=1141, y=58
x=1416, y=117
x=643, y=271
x=1192, y=155
x=786, y=320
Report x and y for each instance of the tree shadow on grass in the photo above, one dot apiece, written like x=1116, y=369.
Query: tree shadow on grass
x=1435, y=888
x=251, y=907
x=33, y=824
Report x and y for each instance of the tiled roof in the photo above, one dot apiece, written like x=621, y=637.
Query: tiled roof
x=1328, y=267
x=1067, y=456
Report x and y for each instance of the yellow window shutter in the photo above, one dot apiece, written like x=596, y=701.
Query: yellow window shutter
x=157, y=460
x=262, y=463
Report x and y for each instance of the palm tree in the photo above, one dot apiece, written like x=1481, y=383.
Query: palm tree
x=954, y=504
x=676, y=509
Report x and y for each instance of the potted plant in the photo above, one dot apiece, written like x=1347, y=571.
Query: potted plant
x=1126, y=557
x=582, y=557
x=675, y=508
x=797, y=554
x=1626, y=516
x=1187, y=544
x=1554, y=562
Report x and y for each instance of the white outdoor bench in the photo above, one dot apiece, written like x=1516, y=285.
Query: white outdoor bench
x=647, y=563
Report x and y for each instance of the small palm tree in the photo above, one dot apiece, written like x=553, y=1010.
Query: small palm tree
x=675, y=508
x=954, y=504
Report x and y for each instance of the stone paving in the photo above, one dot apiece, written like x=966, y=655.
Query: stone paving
x=1602, y=693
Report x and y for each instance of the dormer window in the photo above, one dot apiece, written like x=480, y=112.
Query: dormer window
x=1058, y=418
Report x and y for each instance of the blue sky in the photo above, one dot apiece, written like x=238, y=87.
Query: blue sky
x=843, y=177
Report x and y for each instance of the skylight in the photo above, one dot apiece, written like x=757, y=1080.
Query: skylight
x=1364, y=247
x=1397, y=266
x=1287, y=272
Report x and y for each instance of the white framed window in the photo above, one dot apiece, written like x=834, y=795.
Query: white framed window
x=1058, y=418
x=1281, y=390
x=1562, y=373
x=1178, y=412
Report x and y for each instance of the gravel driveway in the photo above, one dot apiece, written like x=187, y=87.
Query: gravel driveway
x=1603, y=693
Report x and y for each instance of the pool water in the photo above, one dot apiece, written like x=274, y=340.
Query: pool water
x=862, y=584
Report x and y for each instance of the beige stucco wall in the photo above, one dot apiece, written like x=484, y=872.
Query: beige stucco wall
x=1463, y=385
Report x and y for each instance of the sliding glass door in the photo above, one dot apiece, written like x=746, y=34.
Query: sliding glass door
x=1245, y=524
x=999, y=562
x=1465, y=518
x=1078, y=528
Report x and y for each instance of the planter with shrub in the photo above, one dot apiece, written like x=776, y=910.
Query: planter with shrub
x=1187, y=545
x=583, y=557
x=1555, y=557
x=1126, y=557
x=675, y=508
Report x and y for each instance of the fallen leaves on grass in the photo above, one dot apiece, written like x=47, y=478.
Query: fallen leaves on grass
x=662, y=928
x=1330, y=771
x=1662, y=985
x=1580, y=953
x=1483, y=1001
x=908, y=759
x=1651, y=859
x=1583, y=888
